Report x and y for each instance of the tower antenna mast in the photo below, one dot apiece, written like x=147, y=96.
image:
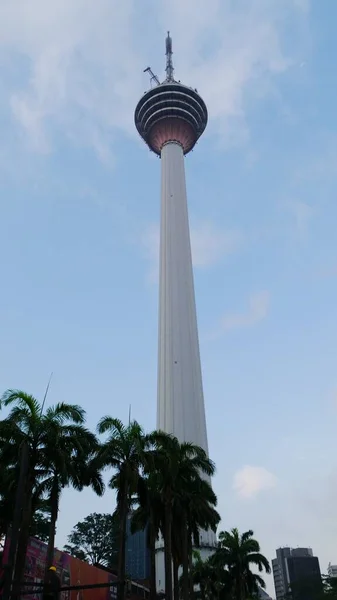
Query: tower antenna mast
x=169, y=62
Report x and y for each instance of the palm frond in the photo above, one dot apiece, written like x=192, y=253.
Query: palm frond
x=61, y=412
x=260, y=561
x=111, y=425
x=246, y=535
x=22, y=399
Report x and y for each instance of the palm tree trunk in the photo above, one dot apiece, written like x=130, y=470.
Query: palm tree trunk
x=23, y=539
x=123, y=509
x=185, y=557
x=54, y=505
x=175, y=580
x=168, y=548
x=14, y=529
x=152, y=544
x=240, y=587
x=190, y=564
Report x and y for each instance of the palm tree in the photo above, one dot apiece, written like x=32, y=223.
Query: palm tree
x=195, y=507
x=40, y=506
x=70, y=464
x=177, y=465
x=198, y=511
x=149, y=513
x=238, y=553
x=122, y=451
x=177, y=545
x=202, y=574
x=8, y=479
x=27, y=425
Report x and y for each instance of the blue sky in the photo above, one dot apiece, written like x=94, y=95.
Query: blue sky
x=79, y=197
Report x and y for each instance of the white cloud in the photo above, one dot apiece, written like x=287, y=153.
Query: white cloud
x=257, y=311
x=250, y=481
x=209, y=245
x=77, y=67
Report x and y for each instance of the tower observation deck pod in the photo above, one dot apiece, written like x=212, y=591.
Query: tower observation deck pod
x=170, y=111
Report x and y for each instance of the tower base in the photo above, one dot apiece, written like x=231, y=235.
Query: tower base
x=208, y=545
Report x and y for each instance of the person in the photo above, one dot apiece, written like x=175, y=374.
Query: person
x=52, y=585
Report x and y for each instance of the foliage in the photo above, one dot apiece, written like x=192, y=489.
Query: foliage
x=40, y=526
x=54, y=441
x=165, y=483
x=122, y=451
x=95, y=540
x=329, y=588
x=239, y=553
x=227, y=574
x=179, y=468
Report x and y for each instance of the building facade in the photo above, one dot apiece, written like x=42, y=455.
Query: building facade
x=262, y=595
x=137, y=554
x=332, y=570
x=297, y=574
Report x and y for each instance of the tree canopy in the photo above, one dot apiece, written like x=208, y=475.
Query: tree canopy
x=162, y=483
x=95, y=540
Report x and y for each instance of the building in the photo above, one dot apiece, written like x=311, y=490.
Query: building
x=137, y=554
x=170, y=118
x=72, y=572
x=262, y=595
x=279, y=572
x=332, y=570
x=297, y=574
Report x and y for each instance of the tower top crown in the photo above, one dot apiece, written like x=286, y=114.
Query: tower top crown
x=170, y=111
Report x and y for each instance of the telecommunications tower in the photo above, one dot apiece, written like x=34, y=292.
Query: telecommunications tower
x=170, y=118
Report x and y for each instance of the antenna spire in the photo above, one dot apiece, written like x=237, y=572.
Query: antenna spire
x=169, y=63
x=46, y=393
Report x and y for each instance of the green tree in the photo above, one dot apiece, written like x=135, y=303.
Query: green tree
x=40, y=525
x=177, y=465
x=329, y=588
x=210, y=577
x=71, y=464
x=95, y=540
x=197, y=506
x=237, y=553
x=8, y=479
x=123, y=451
x=8, y=486
x=27, y=423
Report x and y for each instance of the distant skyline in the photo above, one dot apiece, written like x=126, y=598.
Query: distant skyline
x=79, y=237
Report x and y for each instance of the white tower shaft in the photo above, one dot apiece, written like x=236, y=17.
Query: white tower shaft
x=180, y=408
